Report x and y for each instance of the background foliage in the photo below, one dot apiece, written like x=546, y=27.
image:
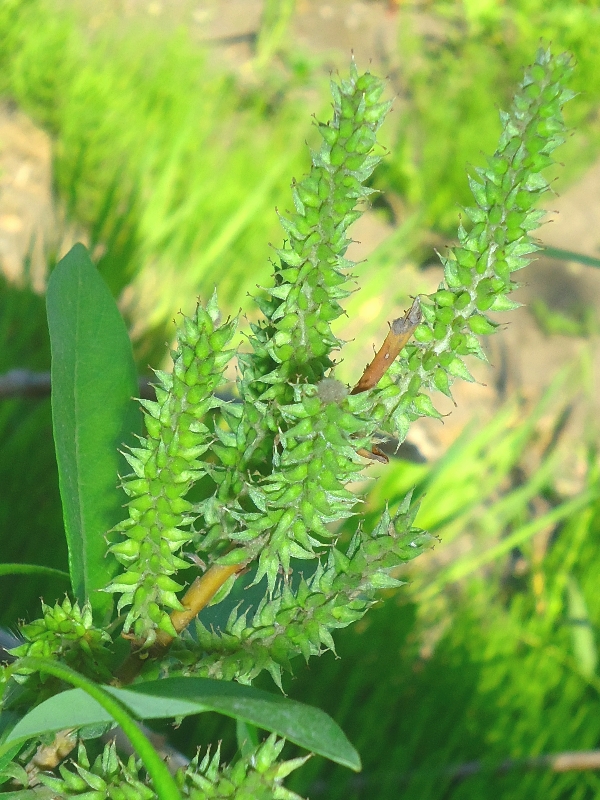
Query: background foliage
x=173, y=164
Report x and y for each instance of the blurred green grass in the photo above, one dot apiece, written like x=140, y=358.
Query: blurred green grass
x=460, y=63
x=173, y=165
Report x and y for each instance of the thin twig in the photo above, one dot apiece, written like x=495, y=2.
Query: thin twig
x=197, y=597
x=24, y=383
x=569, y=761
x=400, y=332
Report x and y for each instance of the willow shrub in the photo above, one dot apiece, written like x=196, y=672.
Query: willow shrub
x=254, y=486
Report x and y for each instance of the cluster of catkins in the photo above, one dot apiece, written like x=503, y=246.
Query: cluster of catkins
x=264, y=479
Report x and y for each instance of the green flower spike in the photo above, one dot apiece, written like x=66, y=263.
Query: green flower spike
x=256, y=776
x=66, y=632
x=293, y=446
x=478, y=272
x=166, y=465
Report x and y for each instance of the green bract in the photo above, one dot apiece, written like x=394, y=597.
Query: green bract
x=65, y=631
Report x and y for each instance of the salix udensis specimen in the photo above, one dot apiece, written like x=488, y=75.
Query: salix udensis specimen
x=262, y=484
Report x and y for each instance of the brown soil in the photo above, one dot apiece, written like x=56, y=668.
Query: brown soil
x=26, y=208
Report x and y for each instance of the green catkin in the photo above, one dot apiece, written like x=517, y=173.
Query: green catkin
x=276, y=465
x=294, y=450
x=478, y=278
x=256, y=776
x=66, y=631
x=478, y=272
x=166, y=465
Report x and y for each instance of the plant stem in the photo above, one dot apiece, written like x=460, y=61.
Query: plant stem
x=197, y=597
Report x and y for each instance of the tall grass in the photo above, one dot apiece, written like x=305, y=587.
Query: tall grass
x=171, y=164
x=174, y=163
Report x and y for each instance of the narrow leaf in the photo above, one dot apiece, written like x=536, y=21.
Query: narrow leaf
x=247, y=737
x=39, y=793
x=304, y=725
x=584, y=646
x=570, y=255
x=93, y=382
x=7, y=756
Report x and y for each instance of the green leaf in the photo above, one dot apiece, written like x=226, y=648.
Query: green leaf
x=109, y=707
x=39, y=793
x=181, y=697
x=93, y=382
x=247, y=737
x=8, y=754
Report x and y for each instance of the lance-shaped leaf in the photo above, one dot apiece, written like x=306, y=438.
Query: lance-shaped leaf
x=93, y=383
x=181, y=697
